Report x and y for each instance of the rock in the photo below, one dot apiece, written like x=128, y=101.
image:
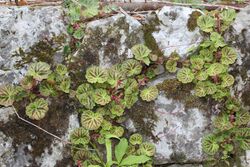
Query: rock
x=173, y=34
x=108, y=41
x=5, y=114
x=22, y=27
x=32, y=29
x=180, y=131
x=6, y=150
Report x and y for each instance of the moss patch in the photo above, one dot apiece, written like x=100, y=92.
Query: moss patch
x=192, y=21
x=56, y=122
x=42, y=51
x=182, y=92
x=143, y=116
x=148, y=29
x=178, y=157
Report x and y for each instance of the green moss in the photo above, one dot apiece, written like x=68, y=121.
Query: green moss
x=23, y=133
x=182, y=92
x=178, y=157
x=148, y=29
x=192, y=21
x=143, y=116
x=42, y=51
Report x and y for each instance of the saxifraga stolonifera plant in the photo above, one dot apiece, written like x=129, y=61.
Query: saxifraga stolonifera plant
x=207, y=67
x=104, y=99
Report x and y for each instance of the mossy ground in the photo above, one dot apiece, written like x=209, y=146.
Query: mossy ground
x=148, y=29
x=182, y=92
x=56, y=122
x=192, y=21
x=44, y=51
x=143, y=116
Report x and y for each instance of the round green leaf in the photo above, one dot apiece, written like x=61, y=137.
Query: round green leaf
x=91, y=120
x=39, y=70
x=150, y=93
x=37, y=110
x=95, y=74
x=185, y=75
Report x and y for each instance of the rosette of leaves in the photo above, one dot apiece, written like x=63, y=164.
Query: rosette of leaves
x=197, y=62
x=210, y=144
x=90, y=7
x=39, y=70
x=84, y=95
x=8, y=95
x=61, y=70
x=217, y=40
x=151, y=73
x=135, y=139
x=37, y=110
x=28, y=82
x=232, y=105
x=242, y=117
x=80, y=136
x=147, y=149
x=116, y=109
x=47, y=89
x=79, y=33
x=117, y=131
x=171, y=66
x=130, y=99
x=185, y=75
x=227, y=80
x=206, y=23
x=106, y=125
x=220, y=93
x=141, y=53
x=207, y=55
x=149, y=94
x=215, y=69
x=95, y=74
x=74, y=12
x=200, y=89
x=227, y=17
x=243, y=137
x=65, y=85
x=91, y=120
x=222, y=122
x=201, y=76
x=131, y=86
x=101, y=96
x=228, y=56
x=131, y=67
x=210, y=87
x=114, y=77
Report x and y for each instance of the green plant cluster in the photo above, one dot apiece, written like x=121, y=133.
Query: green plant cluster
x=78, y=11
x=36, y=87
x=104, y=99
x=231, y=132
x=207, y=67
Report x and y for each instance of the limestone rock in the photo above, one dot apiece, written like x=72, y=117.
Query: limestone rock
x=108, y=41
x=173, y=34
x=22, y=27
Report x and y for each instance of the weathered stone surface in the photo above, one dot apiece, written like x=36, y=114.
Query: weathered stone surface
x=108, y=41
x=176, y=127
x=240, y=33
x=6, y=150
x=173, y=34
x=180, y=131
x=22, y=27
x=5, y=114
x=22, y=144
